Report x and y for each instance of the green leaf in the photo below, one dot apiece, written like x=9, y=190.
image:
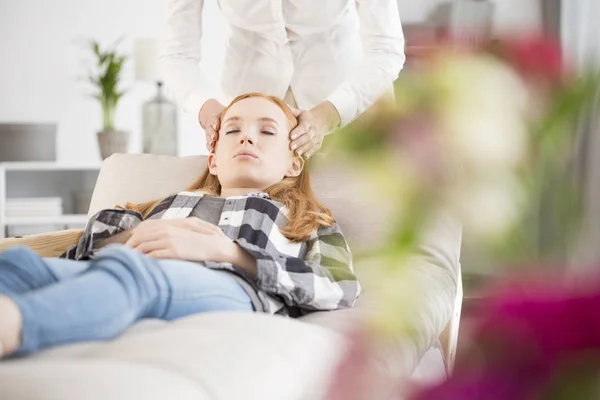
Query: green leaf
x=106, y=76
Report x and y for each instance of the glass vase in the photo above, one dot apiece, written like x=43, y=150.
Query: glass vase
x=159, y=125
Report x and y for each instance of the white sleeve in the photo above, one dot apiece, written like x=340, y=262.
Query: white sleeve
x=180, y=55
x=383, y=44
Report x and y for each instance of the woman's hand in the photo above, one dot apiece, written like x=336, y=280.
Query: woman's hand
x=313, y=125
x=210, y=120
x=190, y=239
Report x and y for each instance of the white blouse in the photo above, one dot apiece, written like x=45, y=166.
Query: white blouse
x=346, y=51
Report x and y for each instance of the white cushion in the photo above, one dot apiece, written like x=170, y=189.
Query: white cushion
x=209, y=356
x=138, y=178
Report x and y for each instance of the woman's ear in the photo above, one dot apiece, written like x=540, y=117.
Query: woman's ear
x=296, y=167
x=212, y=163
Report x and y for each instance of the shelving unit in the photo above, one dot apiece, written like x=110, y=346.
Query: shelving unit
x=65, y=219
x=47, y=179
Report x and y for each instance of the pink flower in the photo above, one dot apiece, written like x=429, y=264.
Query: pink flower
x=348, y=381
x=535, y=57
x=528, y=335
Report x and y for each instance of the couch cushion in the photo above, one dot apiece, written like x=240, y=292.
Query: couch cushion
x=142, y=177
x=210, y=356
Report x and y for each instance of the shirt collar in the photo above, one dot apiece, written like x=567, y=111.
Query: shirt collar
x=262, y=195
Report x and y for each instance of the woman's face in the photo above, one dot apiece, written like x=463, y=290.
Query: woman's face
x=253, y=149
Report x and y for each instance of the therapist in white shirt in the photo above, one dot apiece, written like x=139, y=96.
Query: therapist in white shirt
x=331, y=59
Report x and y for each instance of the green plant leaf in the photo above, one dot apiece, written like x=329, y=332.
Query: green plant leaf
x=106, y=77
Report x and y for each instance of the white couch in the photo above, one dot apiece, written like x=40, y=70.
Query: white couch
x=230, y=356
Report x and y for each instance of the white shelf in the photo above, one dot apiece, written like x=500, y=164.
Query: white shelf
x=79, y=219
x=46, y=166
x=45, y=179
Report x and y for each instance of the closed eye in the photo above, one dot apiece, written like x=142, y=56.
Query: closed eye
x=232, y=131
x=268, y=132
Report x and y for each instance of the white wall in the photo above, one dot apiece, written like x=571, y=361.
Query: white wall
x=42, y=70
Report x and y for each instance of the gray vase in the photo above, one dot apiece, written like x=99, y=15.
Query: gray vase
x=112, y=141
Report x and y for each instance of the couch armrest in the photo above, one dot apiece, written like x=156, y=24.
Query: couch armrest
x=45, y=244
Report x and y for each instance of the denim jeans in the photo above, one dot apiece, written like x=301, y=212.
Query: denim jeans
x=64, y=301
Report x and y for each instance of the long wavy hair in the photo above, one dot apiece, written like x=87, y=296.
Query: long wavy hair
x=305, y=214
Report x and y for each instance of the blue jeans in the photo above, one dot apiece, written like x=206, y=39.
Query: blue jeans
x=64, y=301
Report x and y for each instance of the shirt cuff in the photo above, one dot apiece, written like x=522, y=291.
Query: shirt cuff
x=266, y=269
x=343, y=101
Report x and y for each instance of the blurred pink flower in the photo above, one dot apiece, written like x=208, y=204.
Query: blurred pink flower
x=528, y=334
x=537, y=57
x=348, y=382
x=415, y=141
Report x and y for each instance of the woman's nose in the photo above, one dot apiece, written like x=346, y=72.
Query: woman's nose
x=247, y=139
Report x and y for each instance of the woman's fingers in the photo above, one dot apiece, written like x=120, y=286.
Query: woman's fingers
x=216, y=123
x=212, y=136
x=303, y=139
x=211, y=131
x=295, y=112
x=306, y=150
x=161, y=254
x=310, y=152
x=209, y=145
x=305, y=142
x=148, y=235
x=206, y=228
x=169, y=230
x=311, y=147
x=304, y=125
x=200, y=226
x=154, y=245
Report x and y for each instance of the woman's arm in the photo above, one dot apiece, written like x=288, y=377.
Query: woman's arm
x=383, y=43
x=180, y=55
x=237, y=256
x=105, y=227
x=322, y=280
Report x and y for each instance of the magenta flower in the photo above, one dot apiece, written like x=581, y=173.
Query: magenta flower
x=538, y=57
x=526, y=339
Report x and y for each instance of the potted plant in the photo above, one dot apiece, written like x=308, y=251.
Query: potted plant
x=106, y=77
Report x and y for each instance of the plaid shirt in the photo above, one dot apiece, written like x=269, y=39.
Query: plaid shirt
x=310, y=276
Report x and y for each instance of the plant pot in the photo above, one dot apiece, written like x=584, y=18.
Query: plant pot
x=112, y=141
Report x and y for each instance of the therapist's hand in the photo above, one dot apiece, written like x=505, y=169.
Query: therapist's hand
x=210, y=120
x=313, y=125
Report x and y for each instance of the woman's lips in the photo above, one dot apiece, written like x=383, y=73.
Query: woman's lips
x=245, y=154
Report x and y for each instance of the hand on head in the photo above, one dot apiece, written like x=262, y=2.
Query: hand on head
x=313, y=125
x=210, y=120
x=306, y=140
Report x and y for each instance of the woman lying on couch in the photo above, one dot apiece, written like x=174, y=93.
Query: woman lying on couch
x=248, y=235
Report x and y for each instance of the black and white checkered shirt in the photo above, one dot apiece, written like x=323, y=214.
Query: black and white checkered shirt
x=293, y=278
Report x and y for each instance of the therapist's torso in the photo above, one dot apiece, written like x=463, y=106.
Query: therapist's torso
x=310, y=46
